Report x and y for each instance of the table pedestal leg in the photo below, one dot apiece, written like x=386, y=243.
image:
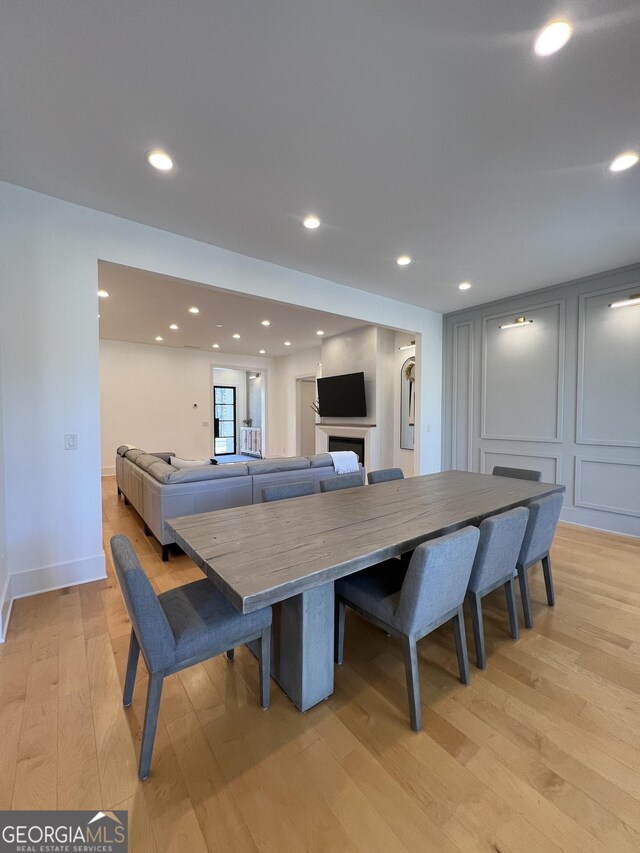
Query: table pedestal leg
x=302, y=646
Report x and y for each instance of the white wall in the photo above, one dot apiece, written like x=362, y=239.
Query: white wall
x=147, y=394
x=50, y=358
x=4, y=574
x=282, y=400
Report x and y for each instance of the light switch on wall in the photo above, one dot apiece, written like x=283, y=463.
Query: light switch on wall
x=71, y=441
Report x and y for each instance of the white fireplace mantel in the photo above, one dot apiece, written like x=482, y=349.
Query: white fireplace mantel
x=369, y=433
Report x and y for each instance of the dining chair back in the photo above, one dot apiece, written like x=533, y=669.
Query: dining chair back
x=410, y=602
x=495, y=565
x=517, y=473
x=384, y=475
x=286, y=491
x=536, y=545
x=342, y=481
x=177, y=629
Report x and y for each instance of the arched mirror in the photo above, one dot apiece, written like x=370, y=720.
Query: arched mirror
x=408, y=403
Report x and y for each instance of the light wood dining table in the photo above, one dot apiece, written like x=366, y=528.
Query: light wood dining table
x=288, y=554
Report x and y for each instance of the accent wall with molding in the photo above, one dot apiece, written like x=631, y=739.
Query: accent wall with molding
x=560, y=394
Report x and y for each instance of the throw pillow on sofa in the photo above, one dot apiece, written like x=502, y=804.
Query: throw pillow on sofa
x=188, y=463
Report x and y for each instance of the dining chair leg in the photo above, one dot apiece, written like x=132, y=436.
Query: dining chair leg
x=231, y=653
x=475, y=603
x=548, y=580
x=132, y=667
x=338, y=651
x=265, y=668
x=523, y=578
x=410, y=650
x=461, y=644
x=511, y=608
x=151, y=713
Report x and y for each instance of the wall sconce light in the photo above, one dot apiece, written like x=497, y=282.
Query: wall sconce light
x=408, y=346
x=255, y=376
x=519, y=321
x=624, y=303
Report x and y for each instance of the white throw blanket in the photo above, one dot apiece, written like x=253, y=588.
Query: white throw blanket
x=344, y=461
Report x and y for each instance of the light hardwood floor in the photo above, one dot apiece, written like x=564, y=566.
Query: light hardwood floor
x=540, y=753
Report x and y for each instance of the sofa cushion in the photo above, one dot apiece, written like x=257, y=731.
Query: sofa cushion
x=123, y=449
x=320, y=460
x=133, y=454
x=146, y=460
x=275, y=466
x=179, y=463
x=161, y=470
x=208, y=472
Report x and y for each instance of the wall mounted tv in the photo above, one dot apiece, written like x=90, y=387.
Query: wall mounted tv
x=342, y=396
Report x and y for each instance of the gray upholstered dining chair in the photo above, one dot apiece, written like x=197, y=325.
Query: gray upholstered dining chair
x=411, y=602
x=342, y=481
x=517, y=473
x=384, y=475
x=541, y=528
x=286, y=491
x=178, y=629
x=495, y=565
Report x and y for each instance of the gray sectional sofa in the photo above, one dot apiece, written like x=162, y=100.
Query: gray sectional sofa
x=159, y=491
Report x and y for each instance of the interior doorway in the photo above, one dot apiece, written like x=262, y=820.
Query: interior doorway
x=306, y=416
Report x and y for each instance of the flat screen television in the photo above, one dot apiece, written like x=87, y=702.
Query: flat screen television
x=342, y=396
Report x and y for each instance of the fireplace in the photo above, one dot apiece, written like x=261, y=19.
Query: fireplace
x=340, y=442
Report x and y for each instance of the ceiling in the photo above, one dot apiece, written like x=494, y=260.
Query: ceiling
x=142, y=305
x=425, y=127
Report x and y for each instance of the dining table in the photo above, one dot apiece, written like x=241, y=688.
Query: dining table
x=287, y=554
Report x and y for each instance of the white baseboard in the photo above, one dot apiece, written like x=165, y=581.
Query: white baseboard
x=109, y=472
x=47, y=579
x=598, y=529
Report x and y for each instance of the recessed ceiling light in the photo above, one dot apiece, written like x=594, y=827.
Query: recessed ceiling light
x=174, y=326
x=311, y=222
x=236, y=336
x=159, y=160
x=554, y=36
x=194, y=310
x=403, y=260
x=624, y=161
x=320, y=332
x=287, y=343
x=159, y=338
x=262, y=351
x=265, y=323
x=464, y=285
x=216, y=346
x=218, y=325
x=103, y=294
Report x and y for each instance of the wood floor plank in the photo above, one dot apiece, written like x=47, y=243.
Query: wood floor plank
x=37, y=760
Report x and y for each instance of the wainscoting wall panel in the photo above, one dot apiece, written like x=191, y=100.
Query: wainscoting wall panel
x=522, y=375
x=550, y=465
x=610, y=486
x=608, y=370
x=540, y=396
